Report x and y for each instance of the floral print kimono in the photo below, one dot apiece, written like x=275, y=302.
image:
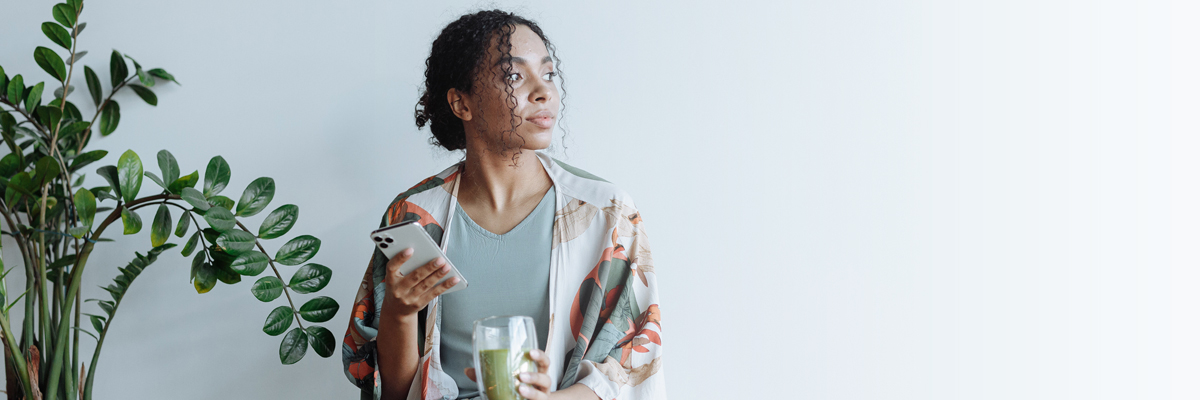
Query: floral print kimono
x=605, y=326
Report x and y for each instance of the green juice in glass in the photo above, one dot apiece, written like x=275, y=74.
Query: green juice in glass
x=500, y=370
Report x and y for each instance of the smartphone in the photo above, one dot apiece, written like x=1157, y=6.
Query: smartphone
x=391, y=240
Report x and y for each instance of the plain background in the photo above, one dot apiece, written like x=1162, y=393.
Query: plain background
x=847, y=199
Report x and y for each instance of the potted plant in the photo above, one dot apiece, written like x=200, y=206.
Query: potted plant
x=56, y=223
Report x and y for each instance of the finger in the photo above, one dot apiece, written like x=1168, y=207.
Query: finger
x=439, y=289
x=530, y=393
x=470, y=372
x=430, y=281
x=419, y=274
x=538, y=381
x=543, y=363
x=393, y=265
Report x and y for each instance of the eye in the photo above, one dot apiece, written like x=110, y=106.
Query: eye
x=549, y=76
x=513, y=77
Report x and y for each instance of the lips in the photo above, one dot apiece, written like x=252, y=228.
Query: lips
x=543, y=119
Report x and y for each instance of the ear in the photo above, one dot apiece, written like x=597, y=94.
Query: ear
x=458, y=104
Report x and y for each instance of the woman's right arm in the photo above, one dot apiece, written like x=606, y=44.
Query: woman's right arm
x=396, y=342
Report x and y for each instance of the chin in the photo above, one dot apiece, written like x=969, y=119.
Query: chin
x=538, y=140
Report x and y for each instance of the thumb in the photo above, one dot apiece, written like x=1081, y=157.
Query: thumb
x=470, y=374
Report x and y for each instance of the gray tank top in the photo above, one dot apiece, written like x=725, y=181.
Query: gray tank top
x=509, y=275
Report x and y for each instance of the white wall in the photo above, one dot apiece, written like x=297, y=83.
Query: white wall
x=848, y=199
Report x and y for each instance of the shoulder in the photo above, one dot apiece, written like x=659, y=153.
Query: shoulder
x=418, y=198
x=577, y=183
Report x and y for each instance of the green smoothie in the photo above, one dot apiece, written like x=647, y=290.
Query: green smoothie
x=500, y=372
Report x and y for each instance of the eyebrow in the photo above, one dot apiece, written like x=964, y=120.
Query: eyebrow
x=519, y=60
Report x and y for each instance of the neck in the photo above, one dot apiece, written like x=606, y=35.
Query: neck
x=494, y=181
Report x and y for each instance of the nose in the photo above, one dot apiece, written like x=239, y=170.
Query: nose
x=542, y=93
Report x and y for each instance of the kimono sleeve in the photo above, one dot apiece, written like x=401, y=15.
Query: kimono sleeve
x=631, y=367
x=358, y=347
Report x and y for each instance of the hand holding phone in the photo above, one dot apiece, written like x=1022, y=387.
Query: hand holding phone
x=392, y=240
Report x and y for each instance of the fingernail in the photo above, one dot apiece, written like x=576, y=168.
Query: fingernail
x=407, y=252
x=535, y=353
x=525, y=376
x=524, y=389
x=445, y=268
x=453, y=281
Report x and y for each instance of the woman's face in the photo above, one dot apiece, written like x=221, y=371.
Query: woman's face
x=490, y=119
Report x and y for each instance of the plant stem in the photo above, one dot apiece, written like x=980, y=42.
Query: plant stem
x=295, y=312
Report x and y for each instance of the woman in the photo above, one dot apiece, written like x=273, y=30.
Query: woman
x=533, y=235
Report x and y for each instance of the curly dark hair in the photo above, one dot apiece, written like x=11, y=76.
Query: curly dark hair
x=455, y=61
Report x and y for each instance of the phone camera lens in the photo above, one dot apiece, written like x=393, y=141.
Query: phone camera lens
x=383, y=245
x=378, y=239
x=389, y=240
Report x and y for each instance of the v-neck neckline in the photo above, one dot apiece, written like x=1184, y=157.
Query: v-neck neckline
x=524, y=222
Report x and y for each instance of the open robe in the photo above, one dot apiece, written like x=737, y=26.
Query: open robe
x=605, y=325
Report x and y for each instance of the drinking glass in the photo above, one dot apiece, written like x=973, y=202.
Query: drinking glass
x=501, y=347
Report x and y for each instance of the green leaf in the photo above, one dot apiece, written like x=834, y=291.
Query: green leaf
x=78, y=27
x=236, y=242
x=250, y=263
x=74, y=58
x=184, y=223
x=50, y=62
x=195, y=198
x=256, y=197
x=110, y=174
x=93, y=84
x=186, y=181
x=221, y=201
x=34, y=98
x=132, y=222
x=267, y=288
x=130, y=168
x=191, y=244
x=206, y=276
x=78, y=231
x=8, y=165
x=45, y=170
x=97, y=322
x=160, y=230
x=118, y=71
x=72, y=129
x=16, y=89
x=310, y=278
x=110, y=117
x=57, y=34
x=319, y=309
x=216, y=177
x=220, y=219
x=293, y=347
x=278, y=321
x=145, y=94
x=65, y=14
x=155, y=179
x=144, y=77
x=85, y=207
x=321, y=340
x=279, y=222
x=227, y=275
x=298, y=250
x=161, y=73
x=168, y=166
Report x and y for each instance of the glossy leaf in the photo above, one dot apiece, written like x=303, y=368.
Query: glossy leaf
x=65, y=14
x=45, y=171
x=85, y=207
x=161, y=73
x=195, y=198
x=293, y=347
x=110, y=174
x=146, y=94
x=236, y=242
x=110, y=117
x=117, y=69
x=72, y=129
x=250, y=263
x=33, y=98
x=279, y=222
x=321, y=340
x=16, y=89
x=131, y=221
x=298, y=250
x=160, y=229
x=216, y=177
x=191, y=244
x=154, y=178
x=256, y=197
x=168, y=165
x=97, y=322
x=227, y=275
x=221, y=201
x=129, y=166
x=57, y=34
x=319, y=309
x=206, y=276
x=220, y=219
x=93, y=84
x=50, y=62
x=267, y=288
x=185, y=221
x=310, y=278
x=186, y=181
x=278, y=321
